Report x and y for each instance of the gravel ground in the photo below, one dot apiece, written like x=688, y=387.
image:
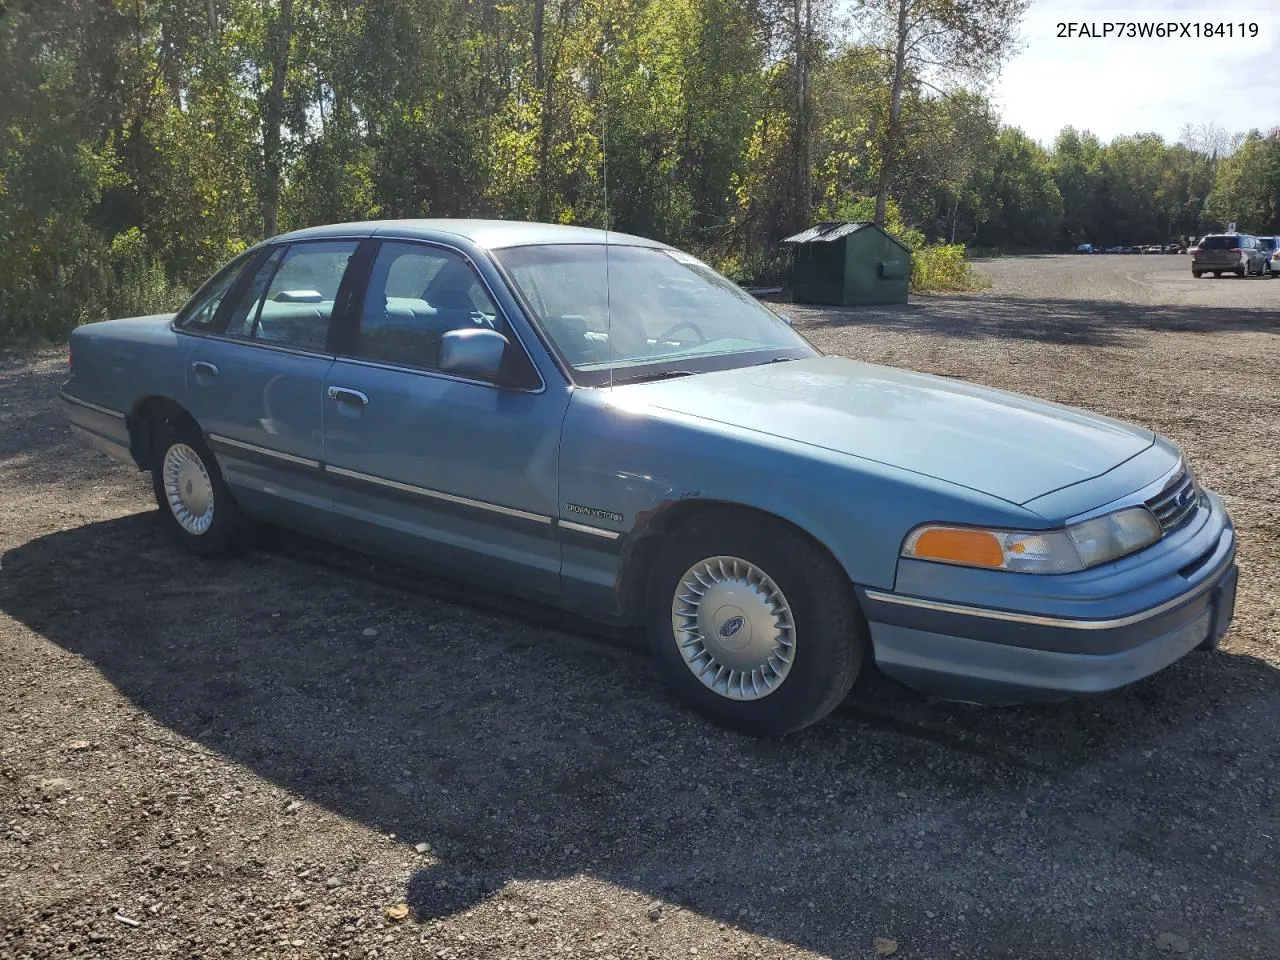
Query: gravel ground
x=304, y=754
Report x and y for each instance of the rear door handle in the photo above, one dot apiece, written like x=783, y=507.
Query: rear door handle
x=347, y=395
x=205, y=367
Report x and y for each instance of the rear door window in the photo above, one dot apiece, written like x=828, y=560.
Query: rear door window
x=290, y=299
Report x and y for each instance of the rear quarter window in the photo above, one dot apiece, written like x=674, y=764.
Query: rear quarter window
x=199, y=313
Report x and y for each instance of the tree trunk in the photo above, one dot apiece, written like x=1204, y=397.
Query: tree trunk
x=955, y=215
x=801, y=173
x=543, y=85
x=279, y=37
x=888, y=156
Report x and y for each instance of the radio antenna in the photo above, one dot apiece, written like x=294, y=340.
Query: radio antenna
x=604, y=163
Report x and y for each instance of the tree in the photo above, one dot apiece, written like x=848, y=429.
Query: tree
x=1023, y=208
x=1209, y=138
x=940, y=42
x=1247, y=187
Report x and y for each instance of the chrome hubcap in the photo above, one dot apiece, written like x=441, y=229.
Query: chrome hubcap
x=733, y=627
x=188, y=489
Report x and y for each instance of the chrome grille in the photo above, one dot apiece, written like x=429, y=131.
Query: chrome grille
x=1176, y=502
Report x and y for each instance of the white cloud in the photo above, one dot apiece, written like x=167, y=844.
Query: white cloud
x=1119, y=85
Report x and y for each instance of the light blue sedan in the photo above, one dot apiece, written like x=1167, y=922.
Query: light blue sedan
x=605, y=423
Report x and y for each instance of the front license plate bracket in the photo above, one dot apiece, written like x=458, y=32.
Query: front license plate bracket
x=1224, y=606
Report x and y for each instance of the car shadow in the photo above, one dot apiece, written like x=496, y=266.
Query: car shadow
x=1057, y=321
x=522, y=744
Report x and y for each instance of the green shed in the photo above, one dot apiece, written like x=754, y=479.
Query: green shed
x=848, y=264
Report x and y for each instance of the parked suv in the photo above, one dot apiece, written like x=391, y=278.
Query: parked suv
x=1220, y=253
x=1268, y=247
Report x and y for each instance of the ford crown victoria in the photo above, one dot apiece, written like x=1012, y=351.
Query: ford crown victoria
x=605, y=423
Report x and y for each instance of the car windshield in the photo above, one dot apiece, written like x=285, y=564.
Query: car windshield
x=645, y=312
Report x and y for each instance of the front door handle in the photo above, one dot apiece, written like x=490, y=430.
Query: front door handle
x=204, y=367
x=347, y=395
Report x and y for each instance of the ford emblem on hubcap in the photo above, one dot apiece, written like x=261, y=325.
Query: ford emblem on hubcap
x=731, y=626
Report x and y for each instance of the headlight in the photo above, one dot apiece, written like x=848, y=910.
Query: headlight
x=1114, y=535
x=1077, y=547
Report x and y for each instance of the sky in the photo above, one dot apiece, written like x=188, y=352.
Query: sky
x=1117, y=86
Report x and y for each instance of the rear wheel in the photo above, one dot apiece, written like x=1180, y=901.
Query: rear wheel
x=1197, y=274
x=753, y=624
x=1218, y=274
x=195, y=504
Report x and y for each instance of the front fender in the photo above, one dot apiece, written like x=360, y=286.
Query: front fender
x=621, y=468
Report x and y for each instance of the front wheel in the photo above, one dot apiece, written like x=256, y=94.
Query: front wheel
x=754, y=624
x=196, y=507
x=1196, y=274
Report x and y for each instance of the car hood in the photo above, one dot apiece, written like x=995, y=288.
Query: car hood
x=1003, y=444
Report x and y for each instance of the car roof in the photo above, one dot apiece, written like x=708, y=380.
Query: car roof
x=489, y=234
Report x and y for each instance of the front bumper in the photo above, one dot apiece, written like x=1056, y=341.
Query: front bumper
x=998, y=655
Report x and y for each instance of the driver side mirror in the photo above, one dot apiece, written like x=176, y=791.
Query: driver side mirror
x=475, y=353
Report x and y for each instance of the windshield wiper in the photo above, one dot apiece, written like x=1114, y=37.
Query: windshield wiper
x=774, y=360
x=656, y=375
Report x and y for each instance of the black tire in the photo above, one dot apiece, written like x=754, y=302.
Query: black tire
x=230, y=531
x=1217, y=274
x=1243, y=272
x=1197, y=274
x=830, y=634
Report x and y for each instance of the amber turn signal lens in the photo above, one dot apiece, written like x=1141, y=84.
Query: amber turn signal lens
x=975, y=548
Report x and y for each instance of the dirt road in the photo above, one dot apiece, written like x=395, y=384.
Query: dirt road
x=233, y=760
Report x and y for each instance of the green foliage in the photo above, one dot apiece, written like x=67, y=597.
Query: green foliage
x=144, y=143
x=1018, y=196
x=941, y=268
x=1246, y=190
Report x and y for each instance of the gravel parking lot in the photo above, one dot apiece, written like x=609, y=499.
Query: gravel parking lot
x=305, y=754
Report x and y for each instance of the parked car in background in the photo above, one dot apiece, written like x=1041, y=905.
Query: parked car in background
x=1084, y=248
x=1268, y=247
x=1153, y=248
x=1220, y=253
x=604, y=422
x=1173, y=248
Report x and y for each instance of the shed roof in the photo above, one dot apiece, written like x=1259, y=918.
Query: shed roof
x=830, y=230
x=835, y=230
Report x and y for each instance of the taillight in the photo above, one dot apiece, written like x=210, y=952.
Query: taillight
x=1193, y=251
x=1276, y=255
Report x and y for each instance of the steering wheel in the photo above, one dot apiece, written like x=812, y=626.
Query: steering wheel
x=702, y=337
